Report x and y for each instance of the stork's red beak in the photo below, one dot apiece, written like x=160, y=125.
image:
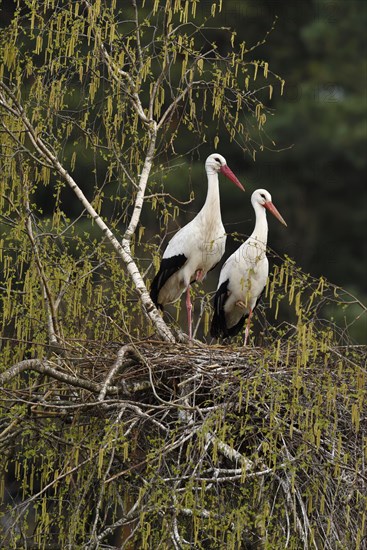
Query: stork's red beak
x=270, y=206
x=226, y=171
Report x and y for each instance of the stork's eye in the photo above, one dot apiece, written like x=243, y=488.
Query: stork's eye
x=263, y=196
x=217, y=160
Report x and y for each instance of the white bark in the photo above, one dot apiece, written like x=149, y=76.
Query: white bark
x=10, y=103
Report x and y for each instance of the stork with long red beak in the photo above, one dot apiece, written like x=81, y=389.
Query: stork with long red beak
x=197, y=247
x=243, y=276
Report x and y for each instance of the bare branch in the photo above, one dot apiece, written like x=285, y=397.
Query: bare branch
x=51, y=308
x=114, y=370
x=45, y=367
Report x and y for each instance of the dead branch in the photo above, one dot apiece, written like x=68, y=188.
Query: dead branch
x=114, y=369
x=45, y=367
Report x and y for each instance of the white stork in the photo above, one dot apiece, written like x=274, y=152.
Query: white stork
x=243, y=276
x=197, y=247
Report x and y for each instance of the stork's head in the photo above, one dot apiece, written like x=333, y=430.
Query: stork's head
x=263, y=198
x=215, y=163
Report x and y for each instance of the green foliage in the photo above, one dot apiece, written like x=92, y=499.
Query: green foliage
x=263, y=446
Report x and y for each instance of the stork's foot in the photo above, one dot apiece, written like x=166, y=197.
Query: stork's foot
x=241, y=304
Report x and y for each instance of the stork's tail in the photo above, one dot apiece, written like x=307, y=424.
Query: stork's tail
x=218, y=326
x=154, y=291
x=168, y=267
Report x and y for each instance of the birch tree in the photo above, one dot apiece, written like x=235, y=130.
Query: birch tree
x=119, y=85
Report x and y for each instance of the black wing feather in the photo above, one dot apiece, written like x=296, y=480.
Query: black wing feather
x=237, y=327
x=219, y=327
x=168, y=267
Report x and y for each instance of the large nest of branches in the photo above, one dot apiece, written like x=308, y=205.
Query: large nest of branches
x=153, y=445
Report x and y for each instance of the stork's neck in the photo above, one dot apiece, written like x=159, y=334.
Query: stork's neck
x=212, y=202
x=260, y=232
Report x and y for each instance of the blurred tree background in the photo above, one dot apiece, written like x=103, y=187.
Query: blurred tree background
x=316, y=169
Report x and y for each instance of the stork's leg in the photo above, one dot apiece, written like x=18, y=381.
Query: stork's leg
x=247, y=331
x=242, y=305
x=189, y=310
x=198, y=277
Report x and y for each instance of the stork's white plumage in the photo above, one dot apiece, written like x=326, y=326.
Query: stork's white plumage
x=243, y=276
x=197, y=247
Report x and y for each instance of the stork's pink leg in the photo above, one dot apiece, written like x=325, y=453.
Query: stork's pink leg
x=199, y=275
x=247, y=331
x=189, y=310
